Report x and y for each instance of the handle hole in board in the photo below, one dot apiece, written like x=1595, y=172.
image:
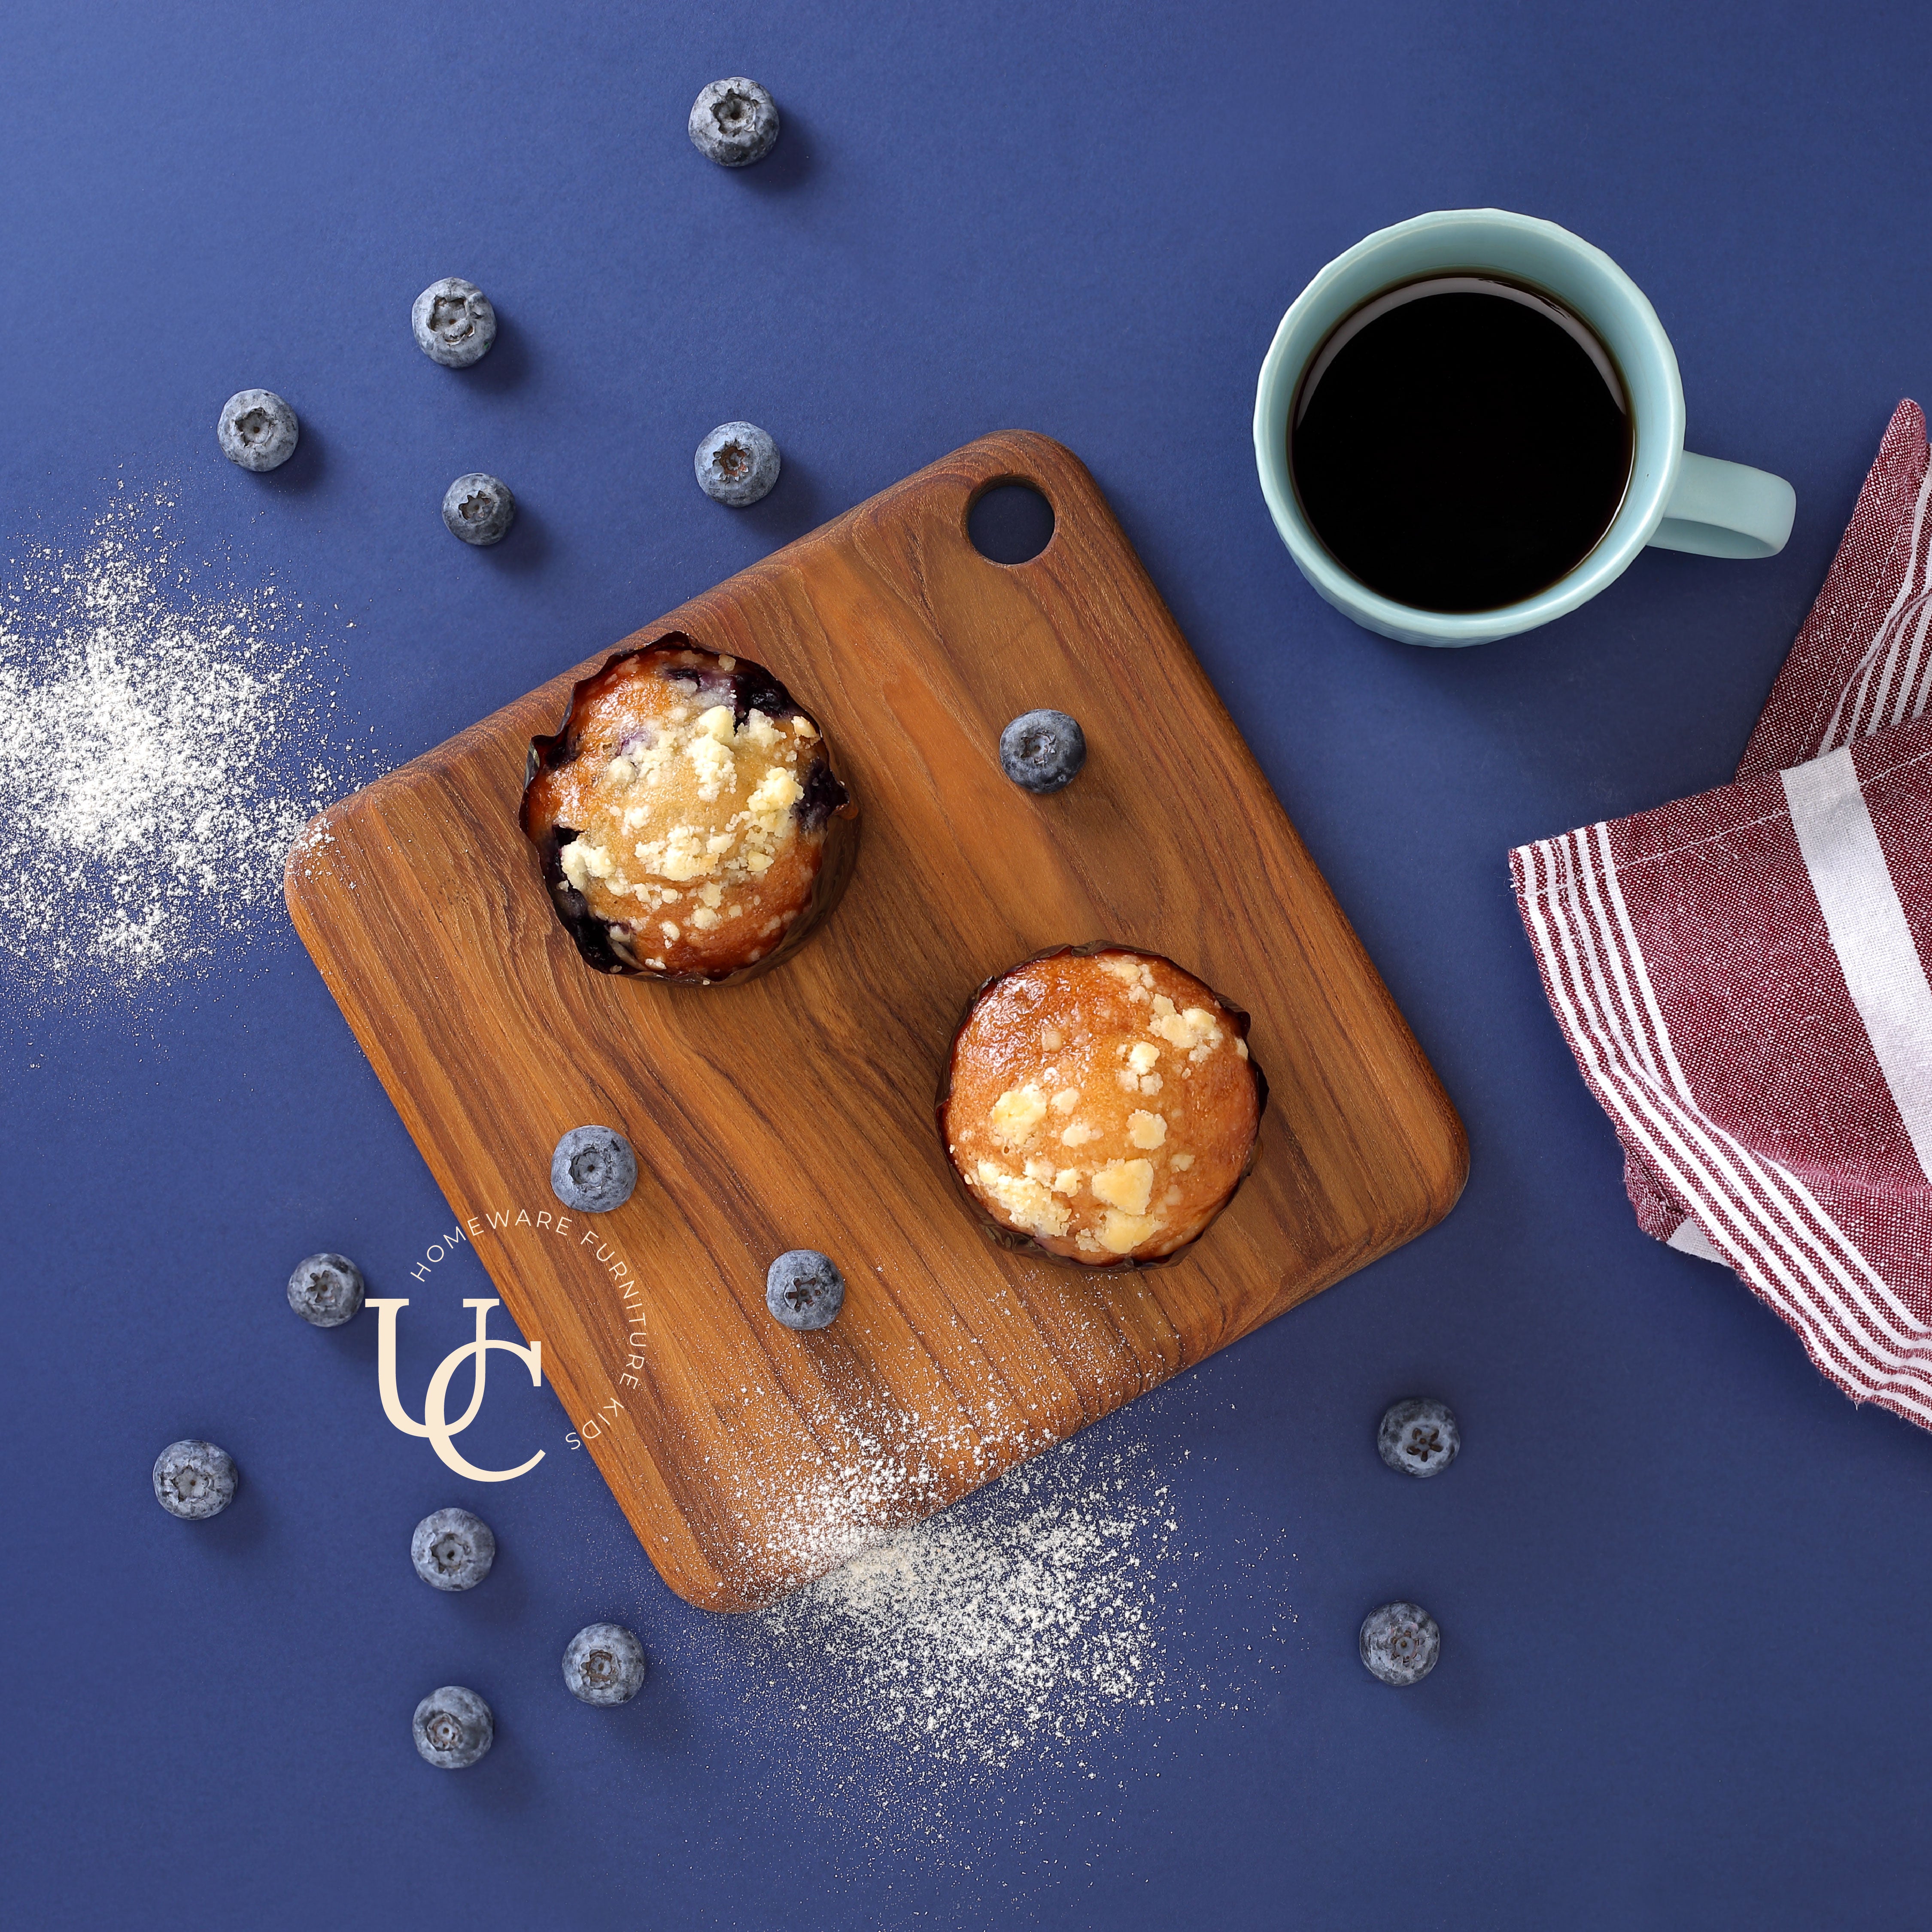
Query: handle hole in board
x=1010, y=521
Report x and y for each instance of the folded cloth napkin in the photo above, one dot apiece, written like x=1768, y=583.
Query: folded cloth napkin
x=1743, y=977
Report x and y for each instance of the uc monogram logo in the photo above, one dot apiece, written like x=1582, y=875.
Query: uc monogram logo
x=436, y=1423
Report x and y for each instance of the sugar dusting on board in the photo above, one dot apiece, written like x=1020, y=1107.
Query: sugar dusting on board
x=882, y=1466
x=163, y=737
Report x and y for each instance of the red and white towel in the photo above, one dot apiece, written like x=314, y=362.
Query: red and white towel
x=1743, y=976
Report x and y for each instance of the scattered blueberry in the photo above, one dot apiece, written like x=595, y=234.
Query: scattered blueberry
x=326, y=1289
x=257, y=430
x=1420, y=1436
x=194, y=1480
x=593, y=1170
x=1400, y=1643
x=804, y=1289
x=736, y=464
x=605, y=1664
x=479, y=509
x=454, y=323
x=454, y=1727
x=1042, y=751
x=734, y=122
x=452, y=1550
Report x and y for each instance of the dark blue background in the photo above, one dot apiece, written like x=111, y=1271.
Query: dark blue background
x=1682, y=1580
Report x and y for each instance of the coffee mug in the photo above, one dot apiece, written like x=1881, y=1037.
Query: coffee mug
x=1673, y=499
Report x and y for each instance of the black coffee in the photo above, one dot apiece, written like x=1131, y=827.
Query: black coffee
x=1460, y=443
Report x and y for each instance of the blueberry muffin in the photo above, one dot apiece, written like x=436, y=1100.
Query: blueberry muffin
x=1100, y=1104
x=689, y=822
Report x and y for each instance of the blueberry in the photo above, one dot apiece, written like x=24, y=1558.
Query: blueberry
x=454, y=1727
x=326, y=1289
x=736, y=464
x=454, y=323
x=605, y=1664
x=804, y=1289
x=1400, y=1643
x=479, y=509
x=1042, y=751
x=194, y=1480
x=733, y=121
x=257, y=430
x=593, y=1170
x=1419, y=1436
x=452, y=1550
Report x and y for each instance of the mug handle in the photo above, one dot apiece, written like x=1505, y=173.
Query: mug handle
x=1726, y=509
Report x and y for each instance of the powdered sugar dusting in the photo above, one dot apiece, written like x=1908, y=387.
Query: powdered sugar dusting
x=982, y=1680
x=162, y=742
x=1017, y=1623
x=886, y=1467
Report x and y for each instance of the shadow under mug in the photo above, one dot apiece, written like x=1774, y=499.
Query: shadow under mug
x=1673, y=499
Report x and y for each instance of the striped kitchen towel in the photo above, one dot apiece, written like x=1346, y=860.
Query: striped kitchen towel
x=1743, y=977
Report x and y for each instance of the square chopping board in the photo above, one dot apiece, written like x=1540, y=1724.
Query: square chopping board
x=796, y=1109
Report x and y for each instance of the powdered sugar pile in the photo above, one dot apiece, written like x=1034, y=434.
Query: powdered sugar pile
x=162, y=743
x=1019, y=1620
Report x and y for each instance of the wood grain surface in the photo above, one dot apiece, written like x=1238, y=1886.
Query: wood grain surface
x=797, y=1110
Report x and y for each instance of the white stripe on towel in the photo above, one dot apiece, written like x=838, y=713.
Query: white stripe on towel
x=1869, y=932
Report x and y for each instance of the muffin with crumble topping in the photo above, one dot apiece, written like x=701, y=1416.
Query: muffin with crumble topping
x=689, y=822
x=1100, y=1104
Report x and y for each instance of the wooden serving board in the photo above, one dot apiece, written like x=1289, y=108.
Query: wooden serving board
x=796, y=1110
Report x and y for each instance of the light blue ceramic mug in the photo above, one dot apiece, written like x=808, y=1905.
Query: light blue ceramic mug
x=1674, y=500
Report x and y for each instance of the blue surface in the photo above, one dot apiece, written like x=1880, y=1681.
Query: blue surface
x=1680, y=1578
